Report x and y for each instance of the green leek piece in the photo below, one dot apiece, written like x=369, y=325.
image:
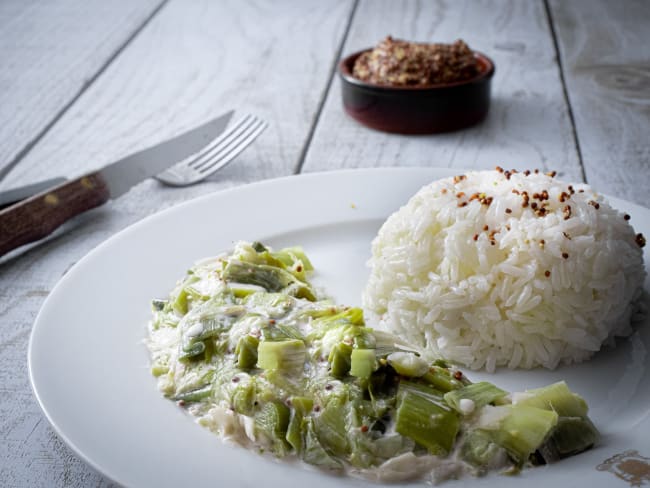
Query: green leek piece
x=286, y=381
x=314, y=453
x=159, y=369
x=192, y=350
x=354, y=316
x=280, y=332
x=285, y=355
x=197, y=345
x=302, y=404
x=272, y=420
x=290, y=332
x=423, y=389
x=343, y=327
x=209, y=320
x=391, y=445
x=556, y=397
x=408, y=364
x=571, y=435
x=382, y=386
x=520, y=429
x=480, y=394
x=258, y=246
x=271, y=278
x=246, y=351
x=195, y=293
x=166, y=320
x=244, y=397
x=294, y=431
x=442, y=379
x=300, y=290
x=373, y=447
x=293, y=259
x=331, y=426
x=241, y=290
x=195, y=379
x=207, y=327
x=264, y=256
x=195, y=395
x=363, y=363
x=274, y=305
x=479, y=450
x=290, y=256
x=339, y=359
x=387, y=343
x=328, y=322
x=211, y=348
x=180, y=303
x=427, y=422
x=301, y=407
x=158, y=305
x=362, y=337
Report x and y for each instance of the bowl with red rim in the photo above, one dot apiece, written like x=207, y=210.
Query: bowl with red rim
x=421, y=109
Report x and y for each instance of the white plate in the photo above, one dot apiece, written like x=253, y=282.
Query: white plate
x=89, y=367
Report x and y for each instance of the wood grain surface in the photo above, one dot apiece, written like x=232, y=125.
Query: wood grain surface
x=605, y=49
x=86, y=82
x=528, y=124
x=195, y=60
x=50, y=51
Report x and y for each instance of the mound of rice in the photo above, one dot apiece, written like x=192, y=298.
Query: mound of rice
x=499, y=268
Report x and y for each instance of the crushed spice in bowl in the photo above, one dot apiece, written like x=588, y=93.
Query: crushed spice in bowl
x=417, y=88
x=394, y=62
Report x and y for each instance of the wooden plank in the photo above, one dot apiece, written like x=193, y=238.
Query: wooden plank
x=528, y=124
x=198, y=60
x=50, y=50
x=194, y=60
x=604, y=52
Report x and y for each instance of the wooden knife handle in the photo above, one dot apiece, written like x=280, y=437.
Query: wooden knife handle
x=38, y=216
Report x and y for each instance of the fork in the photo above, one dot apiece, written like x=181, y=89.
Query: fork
x=215, y=155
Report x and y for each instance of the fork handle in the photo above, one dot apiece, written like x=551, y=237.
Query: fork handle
x=38, y=216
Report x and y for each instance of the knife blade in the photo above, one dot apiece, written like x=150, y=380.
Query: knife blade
x=38, y=216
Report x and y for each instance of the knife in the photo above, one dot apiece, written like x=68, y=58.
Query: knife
x=38, y=216
x=15, y=195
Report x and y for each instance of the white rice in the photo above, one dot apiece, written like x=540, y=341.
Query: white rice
x=544, y=289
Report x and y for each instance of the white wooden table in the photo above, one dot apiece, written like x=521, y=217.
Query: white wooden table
x=83, y=82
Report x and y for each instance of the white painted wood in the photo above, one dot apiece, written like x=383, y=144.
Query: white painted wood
x=197, y=58
x=48, y=51
x=194, y=60
x=528, y=124
x=605, y=54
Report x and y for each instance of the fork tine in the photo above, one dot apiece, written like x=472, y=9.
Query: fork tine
x=219, y=140
x=223, y=141
x=216, y=154
x=229, y=147
x=235, y=150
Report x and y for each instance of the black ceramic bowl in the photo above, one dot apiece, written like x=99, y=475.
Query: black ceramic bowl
x=417, y=109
